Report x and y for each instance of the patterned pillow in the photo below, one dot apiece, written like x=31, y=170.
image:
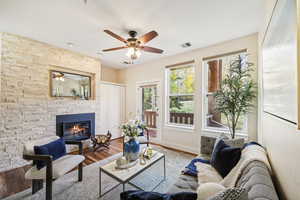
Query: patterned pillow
x=231, y=194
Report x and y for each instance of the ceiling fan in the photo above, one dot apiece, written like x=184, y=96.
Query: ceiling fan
x=134, y=44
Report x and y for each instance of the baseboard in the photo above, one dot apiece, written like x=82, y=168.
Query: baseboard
x=175, y=149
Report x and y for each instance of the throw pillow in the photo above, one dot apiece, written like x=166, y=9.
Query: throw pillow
x=237, y=142
x=191, y=168
x=207, y=190
x=56, y=149
x=231, y=194
x=207, y=174
x=225, y=157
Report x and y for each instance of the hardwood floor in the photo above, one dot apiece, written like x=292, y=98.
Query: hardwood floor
x=116, y=146
x=13, y=181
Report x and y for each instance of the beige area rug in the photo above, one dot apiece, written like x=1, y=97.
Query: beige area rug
x=67, y=187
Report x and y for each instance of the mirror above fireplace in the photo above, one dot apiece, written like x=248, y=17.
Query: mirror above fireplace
x=65, y=84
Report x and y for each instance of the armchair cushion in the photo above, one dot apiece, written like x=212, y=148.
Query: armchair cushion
x=60, y=167
x=56, y=149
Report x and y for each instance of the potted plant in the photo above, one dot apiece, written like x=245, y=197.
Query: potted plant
x=237, y=92
x=131, y=130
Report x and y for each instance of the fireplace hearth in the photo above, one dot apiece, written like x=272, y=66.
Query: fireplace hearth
x=76, y=126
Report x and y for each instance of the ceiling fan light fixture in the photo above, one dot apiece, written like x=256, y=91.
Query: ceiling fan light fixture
x=133, y=53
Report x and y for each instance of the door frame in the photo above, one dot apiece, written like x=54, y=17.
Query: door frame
x=159, y=105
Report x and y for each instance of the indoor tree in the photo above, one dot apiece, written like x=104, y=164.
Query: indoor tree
x=237, y=92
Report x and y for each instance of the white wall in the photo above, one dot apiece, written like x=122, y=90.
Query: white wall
x=281, y=138
x=188, y=140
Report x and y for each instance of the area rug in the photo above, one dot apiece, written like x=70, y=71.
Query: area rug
x=67, y=187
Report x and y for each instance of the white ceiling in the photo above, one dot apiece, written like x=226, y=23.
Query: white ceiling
x=201, y=22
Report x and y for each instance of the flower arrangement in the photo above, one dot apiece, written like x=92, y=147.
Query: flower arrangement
x=133, y=128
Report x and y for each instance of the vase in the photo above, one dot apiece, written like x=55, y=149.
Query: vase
x=132, y=149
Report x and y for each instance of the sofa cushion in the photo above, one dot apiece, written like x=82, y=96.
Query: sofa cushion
x=231, y=194
x=207, y=190
x=56, y=149
x=225, y=157
x=60, y=167
x=256, y=179
x=207, y=174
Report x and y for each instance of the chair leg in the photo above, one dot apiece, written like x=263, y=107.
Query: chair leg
x=49, y=189
x=80, y=172
x=36, y=185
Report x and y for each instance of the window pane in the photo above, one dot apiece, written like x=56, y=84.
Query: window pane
x=182, y=80
x=181, y=109
x=218, y=120
x=148, y=94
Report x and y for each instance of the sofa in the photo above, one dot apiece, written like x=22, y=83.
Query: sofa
x=255, y=178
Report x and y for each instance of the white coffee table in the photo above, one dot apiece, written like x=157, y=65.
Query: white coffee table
x=124, y=176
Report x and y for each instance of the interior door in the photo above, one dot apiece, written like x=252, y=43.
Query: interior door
x=112, y=108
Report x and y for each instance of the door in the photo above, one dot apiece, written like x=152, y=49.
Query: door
x=149, y=107
x=112, y=108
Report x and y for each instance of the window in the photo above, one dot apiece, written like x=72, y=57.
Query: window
x=214, y=71
x=180, y=95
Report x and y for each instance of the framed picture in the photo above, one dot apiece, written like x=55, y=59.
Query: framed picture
x=280, y=65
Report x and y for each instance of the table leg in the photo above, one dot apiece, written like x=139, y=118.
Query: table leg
x=100, y=183
x=164, y=168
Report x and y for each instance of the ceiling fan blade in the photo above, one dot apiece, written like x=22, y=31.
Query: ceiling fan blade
x=148, y=36
x=151, y=49
x=116, y=48
x=115, y=36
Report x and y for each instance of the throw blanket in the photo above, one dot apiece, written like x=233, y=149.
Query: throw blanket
x=142, y=195
x=249, y=154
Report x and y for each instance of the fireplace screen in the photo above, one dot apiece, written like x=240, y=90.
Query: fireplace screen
x=77, y=130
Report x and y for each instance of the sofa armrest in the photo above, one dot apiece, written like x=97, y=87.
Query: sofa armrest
x=79, y=143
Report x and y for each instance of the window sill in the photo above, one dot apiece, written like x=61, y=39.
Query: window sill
x=216, y=133
x=179, y=127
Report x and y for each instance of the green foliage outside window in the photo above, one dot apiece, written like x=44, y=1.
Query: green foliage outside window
x=182, y=87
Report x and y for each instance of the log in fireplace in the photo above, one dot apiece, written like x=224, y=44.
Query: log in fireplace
x=76, y=126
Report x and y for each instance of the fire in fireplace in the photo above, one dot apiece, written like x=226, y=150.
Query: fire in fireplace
x=76, y=126
x=77, y=130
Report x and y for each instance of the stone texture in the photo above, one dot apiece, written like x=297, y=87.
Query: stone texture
x=27, y=110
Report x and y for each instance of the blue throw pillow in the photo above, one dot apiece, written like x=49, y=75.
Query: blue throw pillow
x=55, y=148
x=225, y=157
x=191, y=168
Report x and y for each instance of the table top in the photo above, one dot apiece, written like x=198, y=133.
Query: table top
x=126, y=174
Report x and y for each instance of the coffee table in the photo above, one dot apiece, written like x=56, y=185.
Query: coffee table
x=124, y=176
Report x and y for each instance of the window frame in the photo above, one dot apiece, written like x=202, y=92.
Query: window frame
x=168, y=95
x=243, y=132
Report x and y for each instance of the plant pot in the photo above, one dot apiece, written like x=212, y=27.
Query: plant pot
x=132, y=149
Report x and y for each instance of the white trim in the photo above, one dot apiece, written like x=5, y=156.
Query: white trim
x=112, y=83
x=205, y=93
x=168, y=95
x=159, y=122
x=182, y=147
x=177, y=127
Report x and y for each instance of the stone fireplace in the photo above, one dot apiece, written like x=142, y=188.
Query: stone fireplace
x=76, y=126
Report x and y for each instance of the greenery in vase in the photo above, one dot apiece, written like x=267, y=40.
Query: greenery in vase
x=237, y=92
x=133, y=128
